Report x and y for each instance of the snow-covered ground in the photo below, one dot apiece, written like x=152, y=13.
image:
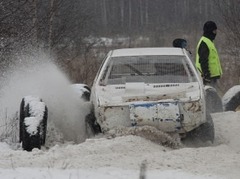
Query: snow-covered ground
x=122, y=157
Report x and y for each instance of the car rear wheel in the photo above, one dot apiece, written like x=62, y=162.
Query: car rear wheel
x=204, y=133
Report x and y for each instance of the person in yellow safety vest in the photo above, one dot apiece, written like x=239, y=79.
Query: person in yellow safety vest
x=207, y=59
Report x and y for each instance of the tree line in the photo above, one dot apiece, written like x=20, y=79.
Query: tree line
x=61, y=27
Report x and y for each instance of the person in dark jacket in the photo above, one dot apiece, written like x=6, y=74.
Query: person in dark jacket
x=207, y=59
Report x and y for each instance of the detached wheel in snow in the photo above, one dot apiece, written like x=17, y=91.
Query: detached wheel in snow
x=231, y=99
x=33, y=123
x=22, y=116
x=213, y=100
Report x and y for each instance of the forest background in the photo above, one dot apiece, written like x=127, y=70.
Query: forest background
x=77, y=34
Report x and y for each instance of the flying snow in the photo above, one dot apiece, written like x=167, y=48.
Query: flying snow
x=39, y=76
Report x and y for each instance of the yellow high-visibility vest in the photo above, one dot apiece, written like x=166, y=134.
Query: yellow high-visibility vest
x=213, y=58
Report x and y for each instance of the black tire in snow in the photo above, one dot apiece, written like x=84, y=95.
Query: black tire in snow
x=213, y=101
x=38, y=120
x=231, y=99
x=22, y=116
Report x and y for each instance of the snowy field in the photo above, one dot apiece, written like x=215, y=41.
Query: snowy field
x=100, y=157
x=122, y=157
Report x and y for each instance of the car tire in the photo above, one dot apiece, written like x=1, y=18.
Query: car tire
x=231, y=99
x=37, y=138
x=92, y=127
x=86, y=94
x=205, y=132
x=82, y=90
x=213, y=101
x=21, y=117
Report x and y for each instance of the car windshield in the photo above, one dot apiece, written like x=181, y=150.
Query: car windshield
x=147, y=69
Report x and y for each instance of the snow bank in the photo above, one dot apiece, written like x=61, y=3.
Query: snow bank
x=121, y=157
x=99, y=173
x=227, y=127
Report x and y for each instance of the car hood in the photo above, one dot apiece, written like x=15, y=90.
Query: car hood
x=111, y=95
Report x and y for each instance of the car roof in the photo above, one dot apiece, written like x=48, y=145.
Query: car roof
x=147, y=51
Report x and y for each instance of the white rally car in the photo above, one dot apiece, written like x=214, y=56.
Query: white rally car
x=157, y=87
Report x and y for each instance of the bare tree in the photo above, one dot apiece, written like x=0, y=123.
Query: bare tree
x=230, y=13
x=63, y=26
x=51, y=16
x=16, y=25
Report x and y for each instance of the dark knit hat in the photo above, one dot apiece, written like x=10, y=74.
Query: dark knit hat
x=209, y=26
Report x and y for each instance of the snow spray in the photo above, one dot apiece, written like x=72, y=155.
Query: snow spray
x=39, y=76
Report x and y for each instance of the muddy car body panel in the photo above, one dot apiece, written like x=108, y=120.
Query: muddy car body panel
x=158, y=87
